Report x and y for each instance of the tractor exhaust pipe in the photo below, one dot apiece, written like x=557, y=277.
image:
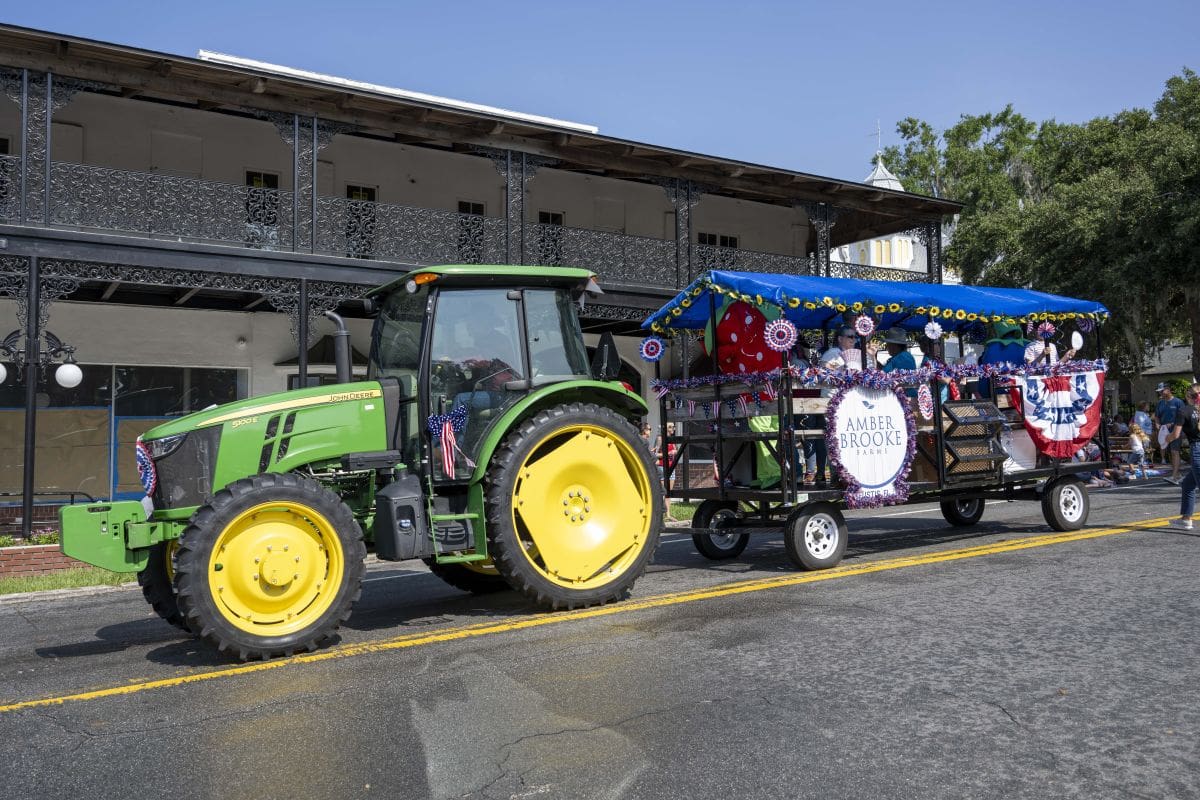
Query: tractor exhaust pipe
x=341, y=348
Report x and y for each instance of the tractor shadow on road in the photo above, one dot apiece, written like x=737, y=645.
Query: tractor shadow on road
x=120, y=637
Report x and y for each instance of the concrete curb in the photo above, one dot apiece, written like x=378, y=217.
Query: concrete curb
x=54, y=594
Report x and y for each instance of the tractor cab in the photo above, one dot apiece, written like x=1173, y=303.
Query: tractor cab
x=466, y=346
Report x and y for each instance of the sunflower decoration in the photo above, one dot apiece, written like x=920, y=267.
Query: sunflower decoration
x=894, y=308
x=827, y=301
x=960, y=315
x=879, y=309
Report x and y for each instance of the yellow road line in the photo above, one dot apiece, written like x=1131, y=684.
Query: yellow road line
x=677, y=598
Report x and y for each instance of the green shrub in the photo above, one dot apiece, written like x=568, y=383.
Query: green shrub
x=8, y=541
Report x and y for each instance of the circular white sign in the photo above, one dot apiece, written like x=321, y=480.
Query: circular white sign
x=872, y=438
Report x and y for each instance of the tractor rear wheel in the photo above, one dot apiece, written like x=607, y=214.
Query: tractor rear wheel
x=158, y=583
x=574, y=506
x=476, y=577
x=271, y=565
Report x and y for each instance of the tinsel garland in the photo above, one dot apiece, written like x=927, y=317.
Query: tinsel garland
x=807, y=377
x=853, y=493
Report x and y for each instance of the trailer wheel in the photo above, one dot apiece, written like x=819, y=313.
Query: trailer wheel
x=476, y=577
x=717, y=546
x=157, y=582
x=574, y=506
x=269, y=566
x=1065, y=504
x=962, y=512
x=815, y=536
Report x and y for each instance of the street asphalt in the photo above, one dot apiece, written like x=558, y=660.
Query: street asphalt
x=937, y=663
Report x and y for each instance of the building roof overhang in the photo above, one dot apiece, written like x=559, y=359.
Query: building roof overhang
x=863, y=211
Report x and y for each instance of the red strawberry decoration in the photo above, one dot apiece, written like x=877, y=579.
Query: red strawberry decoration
x=741, y=343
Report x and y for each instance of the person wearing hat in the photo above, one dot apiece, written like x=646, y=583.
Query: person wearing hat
x=899, y=357
x=1165, y=414
x=844, y=354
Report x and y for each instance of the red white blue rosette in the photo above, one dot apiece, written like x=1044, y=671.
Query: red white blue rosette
x=864, y=326
x=781, y=335
x=1046, y=330
x=652, y=348
x=925, y=401
x=933, y=330
x=147, y=474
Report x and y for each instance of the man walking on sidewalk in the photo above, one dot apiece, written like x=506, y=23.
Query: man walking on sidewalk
x=1165, y=416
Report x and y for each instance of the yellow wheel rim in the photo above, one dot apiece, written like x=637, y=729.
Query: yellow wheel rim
x=276, y=568
x=169, y=556
x=581, y=507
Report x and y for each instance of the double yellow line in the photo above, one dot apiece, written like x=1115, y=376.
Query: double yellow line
x=659, y=601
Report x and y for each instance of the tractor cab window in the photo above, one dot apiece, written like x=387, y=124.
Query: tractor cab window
x=556, y=350
x=396, y=339
x=474, y=352
x=396, y=353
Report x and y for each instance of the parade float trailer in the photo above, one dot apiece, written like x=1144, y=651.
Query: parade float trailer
x=1020, y=430
x=483, y=442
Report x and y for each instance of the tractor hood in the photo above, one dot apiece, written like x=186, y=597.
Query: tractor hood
x=248, y=410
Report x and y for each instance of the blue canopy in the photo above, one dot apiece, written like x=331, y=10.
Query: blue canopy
x=816, y=303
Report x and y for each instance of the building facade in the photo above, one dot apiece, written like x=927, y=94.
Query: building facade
x=181, y=225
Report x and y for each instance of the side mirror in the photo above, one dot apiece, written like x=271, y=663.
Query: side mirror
x=606, y=364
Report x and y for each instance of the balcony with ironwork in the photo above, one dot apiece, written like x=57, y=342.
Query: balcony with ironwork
x=180, y=209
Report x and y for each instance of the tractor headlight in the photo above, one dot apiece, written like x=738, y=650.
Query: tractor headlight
x=161, y=448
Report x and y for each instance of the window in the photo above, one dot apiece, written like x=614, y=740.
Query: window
x=470, y=232
x=474, y=352
x=883, y=253
x=717, y=240
x=550, y=238
x=360, y=221
x=262, y=209
x=717, y=249
x=556, y=351
x=3, y=146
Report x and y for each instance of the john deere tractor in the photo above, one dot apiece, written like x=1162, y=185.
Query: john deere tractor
x=483, y=442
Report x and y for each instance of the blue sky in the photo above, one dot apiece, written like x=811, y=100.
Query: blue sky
x=797, y=85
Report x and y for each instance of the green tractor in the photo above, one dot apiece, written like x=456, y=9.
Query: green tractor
x=483, y=442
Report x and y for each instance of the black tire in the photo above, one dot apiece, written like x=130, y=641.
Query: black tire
x=466, y=579
x=157, y=585
x=630, y=509
x=303, y=505
x=1065, y=504
x=815, y=536
x=963, y=513
x=715, y=514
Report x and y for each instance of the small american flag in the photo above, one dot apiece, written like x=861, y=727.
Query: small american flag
x=449, y=445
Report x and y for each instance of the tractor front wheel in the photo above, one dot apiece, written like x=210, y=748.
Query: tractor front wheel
x=574, y=506
x=271, y=565
x=158, y=583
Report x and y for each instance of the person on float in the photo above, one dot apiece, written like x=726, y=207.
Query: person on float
x=845, y=354
x=1186, y=425
x=815, y=451
x=899, y=357
x=1042, y=350
x=1007, y=346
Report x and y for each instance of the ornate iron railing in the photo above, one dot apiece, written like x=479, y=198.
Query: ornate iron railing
x=167, y=206
x=616, y=257
x=10, y=188
x=711, y=257
x=406, y=234
x=840, y=269
x=158, y=205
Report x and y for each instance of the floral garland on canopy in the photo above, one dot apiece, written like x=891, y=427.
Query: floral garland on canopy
x=677, y=306
x=854, y=491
